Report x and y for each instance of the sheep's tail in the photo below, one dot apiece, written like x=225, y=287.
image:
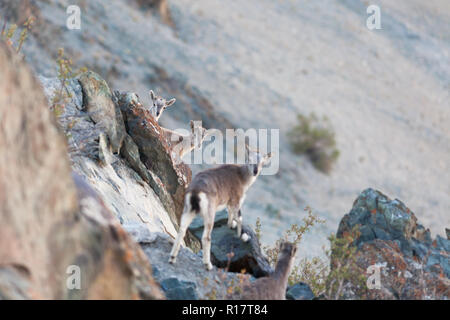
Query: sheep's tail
x=195, y=202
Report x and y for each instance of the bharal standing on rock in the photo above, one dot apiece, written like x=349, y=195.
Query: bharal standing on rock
x=215, y=189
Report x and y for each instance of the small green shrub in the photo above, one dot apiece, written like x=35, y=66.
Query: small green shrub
x=343, y=267
x=313, y=272
x=315, y=138
x=65, y=73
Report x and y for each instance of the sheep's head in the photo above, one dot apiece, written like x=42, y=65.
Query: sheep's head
x=159, y=104
x=257, y=159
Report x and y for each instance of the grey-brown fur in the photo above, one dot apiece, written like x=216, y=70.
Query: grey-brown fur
x=159, y=104
x=182, y=144
x=274, y=286
x=210, y=191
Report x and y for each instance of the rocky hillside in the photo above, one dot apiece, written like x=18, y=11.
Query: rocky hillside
x=386, y=92
x=98, y=190
x=88, y=180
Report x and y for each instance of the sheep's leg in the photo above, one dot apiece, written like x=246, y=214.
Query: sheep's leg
x=231, y=217
x=206, y=239
x=186, y=219
x=244, y=236
x=239, y=223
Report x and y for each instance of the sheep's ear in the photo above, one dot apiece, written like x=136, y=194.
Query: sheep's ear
x=192, y=124
x=152, y=95
x=170, y=102
x=268, y=156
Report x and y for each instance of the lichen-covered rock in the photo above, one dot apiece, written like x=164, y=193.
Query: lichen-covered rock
x=299, y=291
x=49, y=222
x=402, y=277
x=246, y=255
x=379, y=217
x=412, y=265
x=101, y=108
x=179, y=290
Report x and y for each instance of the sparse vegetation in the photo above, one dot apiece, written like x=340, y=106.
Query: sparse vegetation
x=314, y=137
x=65, y=73
x=328, y=276
x=8, y=33
x=294, y=235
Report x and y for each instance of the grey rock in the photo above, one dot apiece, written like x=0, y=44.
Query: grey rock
x=175, y=289
x=443, y=244
x=188, y=276
x=247, y=255
x=379, y=217
x=299, y=291
x=101, y=108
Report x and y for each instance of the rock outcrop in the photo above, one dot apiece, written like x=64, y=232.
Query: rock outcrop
x=412, y=265
x=51, y=221
x=99, y=104
x=169, y=180
x=224, y=241
x=299, y=291
x=126, y=194
x=187, y=278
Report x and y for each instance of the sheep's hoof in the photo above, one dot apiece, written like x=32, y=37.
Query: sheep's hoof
x=208, y=266
x=245, y=237
x=172, y=260
x=233, y=224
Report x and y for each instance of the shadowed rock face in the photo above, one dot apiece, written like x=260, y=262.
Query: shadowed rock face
x=413, y=266
x=246, y=255
x=169, y=180
x=50, y=222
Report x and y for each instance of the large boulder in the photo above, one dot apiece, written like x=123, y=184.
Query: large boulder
x=412, y=264
x=245, y=255
x=379, y=217
x=49, y=222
